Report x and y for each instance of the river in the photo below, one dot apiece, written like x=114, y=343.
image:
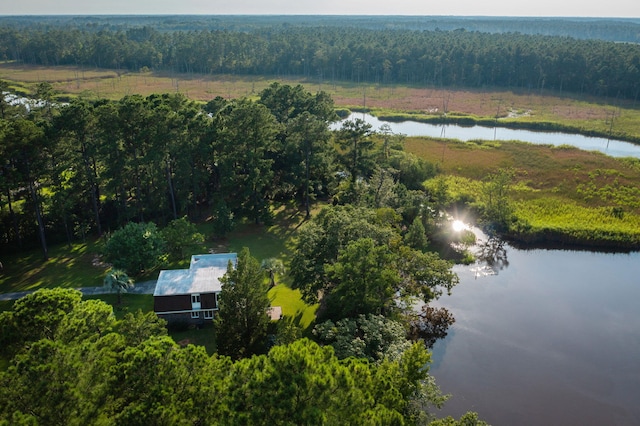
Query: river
x=552, y=338
x=614, y=148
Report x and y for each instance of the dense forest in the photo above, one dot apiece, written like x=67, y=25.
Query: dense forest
x=386, y=55
x=610, y=29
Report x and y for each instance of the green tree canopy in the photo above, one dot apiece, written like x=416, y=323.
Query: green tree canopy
x=135, y=248
x=97, y=370
x=354, y=258
x=35, y=316
x=320, y=241
x=355, y=140
x=363, y=280
x=241, y=323
x=179, y=235
x=373, y=337
x=498, y=209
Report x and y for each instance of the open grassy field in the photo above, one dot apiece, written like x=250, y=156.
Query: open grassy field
x=583, y=113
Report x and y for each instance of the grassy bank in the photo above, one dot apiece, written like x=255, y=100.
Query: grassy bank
x=560, y=195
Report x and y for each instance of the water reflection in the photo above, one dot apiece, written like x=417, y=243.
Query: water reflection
x=492, y=256
x=614, y=148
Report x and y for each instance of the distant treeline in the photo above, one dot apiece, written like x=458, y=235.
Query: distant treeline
x=439, y=58
x=610, y=29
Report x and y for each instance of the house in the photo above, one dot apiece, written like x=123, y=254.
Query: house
x=191, y=295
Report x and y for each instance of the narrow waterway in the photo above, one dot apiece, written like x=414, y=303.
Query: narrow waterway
x=614, y=148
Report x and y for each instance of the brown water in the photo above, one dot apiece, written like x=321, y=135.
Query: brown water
x=552, y=339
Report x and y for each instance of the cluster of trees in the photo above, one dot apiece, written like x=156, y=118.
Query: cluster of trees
x=141, y=246
x=96, y=166
x=358, y=260
x=105, y=164
x=73, y=362
x=350, y=53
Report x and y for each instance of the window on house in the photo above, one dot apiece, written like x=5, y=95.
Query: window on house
x=195, y=314
x=208, y=314
x=195, y=298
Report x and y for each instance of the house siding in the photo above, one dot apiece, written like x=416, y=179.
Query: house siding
x=208, y=301
x=181, y=302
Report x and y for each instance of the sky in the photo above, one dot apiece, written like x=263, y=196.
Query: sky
x=581, y=8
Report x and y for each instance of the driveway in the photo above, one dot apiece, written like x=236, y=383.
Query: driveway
x=145, y=287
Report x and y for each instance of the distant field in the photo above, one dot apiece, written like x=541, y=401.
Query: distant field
x=586, y=113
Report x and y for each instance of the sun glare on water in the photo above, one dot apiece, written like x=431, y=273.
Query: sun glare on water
x=458, y=225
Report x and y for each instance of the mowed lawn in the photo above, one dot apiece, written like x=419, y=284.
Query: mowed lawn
x=69, y=267
x=79, y=266
x=293, y=306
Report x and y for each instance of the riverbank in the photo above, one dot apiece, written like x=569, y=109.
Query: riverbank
x=525, y=122
x=559, y=196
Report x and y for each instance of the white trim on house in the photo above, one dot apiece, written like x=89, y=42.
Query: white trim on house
x=195, y=301
x=185, y=311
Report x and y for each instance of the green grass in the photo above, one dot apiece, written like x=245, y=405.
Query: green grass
x=600, y=215
x=130, y=302
x=204, y=336
x=66, y=267
x=292, y=305
x=272, y=240
x=575, y=223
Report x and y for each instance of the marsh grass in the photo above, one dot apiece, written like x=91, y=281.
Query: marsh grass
x=514, y=108
x=561, y=194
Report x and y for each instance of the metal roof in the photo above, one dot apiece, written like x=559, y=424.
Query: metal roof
x=203, y=275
